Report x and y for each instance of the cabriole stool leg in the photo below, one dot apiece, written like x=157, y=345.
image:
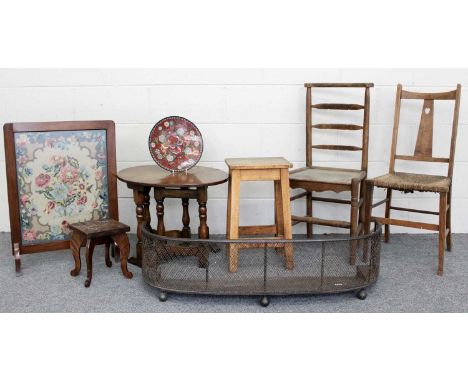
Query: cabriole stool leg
x=75, y=243
x=106, y=254
x=123, y=247
x=89, y=261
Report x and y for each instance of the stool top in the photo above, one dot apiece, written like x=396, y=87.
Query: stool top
x=99, y=228
x=257, y=163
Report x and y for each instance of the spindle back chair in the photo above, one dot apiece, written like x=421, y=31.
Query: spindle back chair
x=319, y=179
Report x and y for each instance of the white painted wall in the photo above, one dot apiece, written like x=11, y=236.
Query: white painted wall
x=240, y=112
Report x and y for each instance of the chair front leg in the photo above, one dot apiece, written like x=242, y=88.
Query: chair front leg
x=310, y=226
x=449, y=220
x=354, y=220
x=388, y=204
x=442, y=231
x=362, y=208
x=369, y=185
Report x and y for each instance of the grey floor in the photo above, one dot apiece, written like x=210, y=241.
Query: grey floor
x=407, y=283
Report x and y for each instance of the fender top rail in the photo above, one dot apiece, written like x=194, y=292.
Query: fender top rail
x=377, y=231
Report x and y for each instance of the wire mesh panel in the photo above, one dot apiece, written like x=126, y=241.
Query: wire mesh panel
x=333, y=264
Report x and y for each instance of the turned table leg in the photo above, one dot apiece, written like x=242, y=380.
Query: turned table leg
x=185, y=218
x=159, y=196
x=202, y=198
x=142, y=200
x=203, y=230
x=123, y=248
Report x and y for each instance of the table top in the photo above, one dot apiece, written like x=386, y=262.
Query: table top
x=258, y=163
x=154, y=176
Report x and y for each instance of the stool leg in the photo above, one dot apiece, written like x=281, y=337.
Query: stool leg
x=89, y=261
x=233, y=214
x=107, y=257
x=287, y=226
x=123, y=247
x=228, y=216
x=77, y=241
x=279, y=221
x=115, y=256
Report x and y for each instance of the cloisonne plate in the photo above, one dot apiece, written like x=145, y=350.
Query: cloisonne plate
x=175, y=144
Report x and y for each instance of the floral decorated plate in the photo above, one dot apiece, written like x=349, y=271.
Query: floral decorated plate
x=175, y=144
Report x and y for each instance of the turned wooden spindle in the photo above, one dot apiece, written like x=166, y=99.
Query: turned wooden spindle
x=185, y=218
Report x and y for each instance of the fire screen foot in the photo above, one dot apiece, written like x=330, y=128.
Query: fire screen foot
x=162, y=296
x=361, y=294
x=16, y=254
x=264, y=301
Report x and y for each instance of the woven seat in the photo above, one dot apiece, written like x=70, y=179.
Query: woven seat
x=326, y=175
x=413, y=182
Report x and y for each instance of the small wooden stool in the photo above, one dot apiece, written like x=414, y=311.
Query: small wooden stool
x=99, y=232
x=259, y=169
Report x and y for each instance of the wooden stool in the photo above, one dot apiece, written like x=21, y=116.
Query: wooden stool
x=99, y=232
x=259, y=169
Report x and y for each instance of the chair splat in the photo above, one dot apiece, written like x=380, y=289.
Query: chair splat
x=423, y=146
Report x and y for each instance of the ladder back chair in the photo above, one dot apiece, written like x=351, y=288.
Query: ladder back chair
x=411, y=182
x=318, y=179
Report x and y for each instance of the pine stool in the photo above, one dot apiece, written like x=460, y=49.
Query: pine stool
x=95, y=232
x=259, y=169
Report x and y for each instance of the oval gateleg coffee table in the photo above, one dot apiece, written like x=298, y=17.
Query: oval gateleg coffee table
x=192, y=184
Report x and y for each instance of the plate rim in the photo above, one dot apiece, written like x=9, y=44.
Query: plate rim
x=151, y=151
